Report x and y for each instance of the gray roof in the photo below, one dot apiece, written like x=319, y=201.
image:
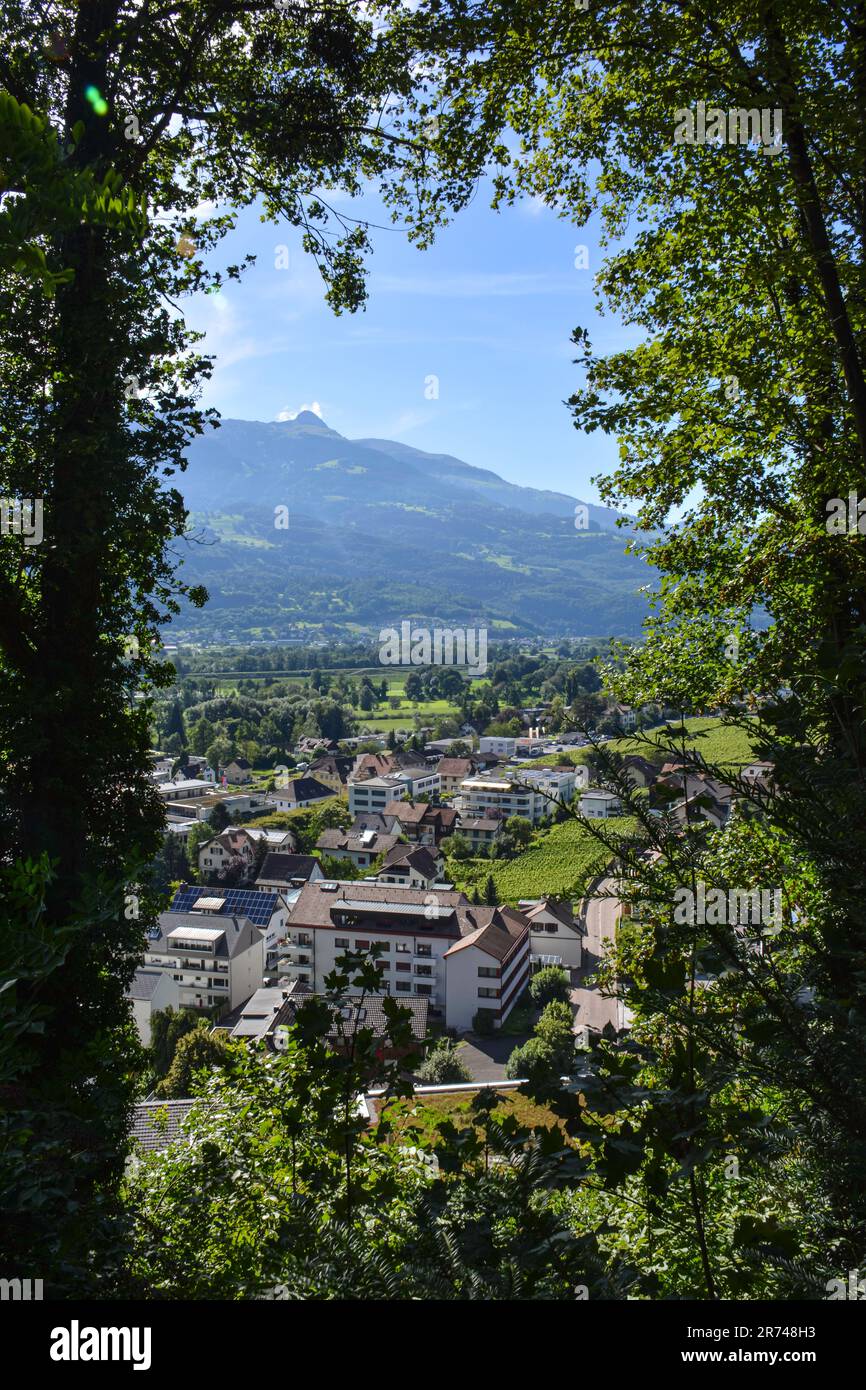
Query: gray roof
x=282, y=868
x=156, y=1123
x=144, y=983
x=238, y=932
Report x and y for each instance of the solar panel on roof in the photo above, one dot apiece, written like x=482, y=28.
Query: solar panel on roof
x=258, y=907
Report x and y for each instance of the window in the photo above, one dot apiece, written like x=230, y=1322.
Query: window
x=402, y=965
x=488, y=972
x=362, y=945
x=384, y=945
x=341, y=942
x=403, y=988
x=424, y=989
x=423, y=950
x=423, y=970
x=402, y=948
x=551, y=927
x=488, y=994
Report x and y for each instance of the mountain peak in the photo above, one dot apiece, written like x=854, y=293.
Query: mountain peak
x=308, y=417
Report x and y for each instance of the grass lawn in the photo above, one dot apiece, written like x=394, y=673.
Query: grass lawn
x=717, y=743
x=562, y=860
x=422, y=1115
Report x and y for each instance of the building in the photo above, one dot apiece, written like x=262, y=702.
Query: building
x=639, y=771
x=237, y=843
x=421, y=822
x=480, y=831
x=350, y=1014
x=303, y=791
x=266, y=910
x=374, y=793
x=599, y=804
x=150, y=991
x=215, y=961
x=503, y=747
x=490, y=968
x=453, y=771
x=360, y=848
x=413, y=866
x=332, y=771
x=238, y=771
x=281, y=871
x=555, y=931
x=528, y=792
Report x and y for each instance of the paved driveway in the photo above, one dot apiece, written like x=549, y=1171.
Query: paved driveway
x=486, y=1057
x=589, y=1004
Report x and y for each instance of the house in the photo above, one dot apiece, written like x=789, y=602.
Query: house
x=332, y=770
x=555, y=931
x=238, y=771
x=303, y=791
x=281, y=871
x=625, y=716
x=453, y=771
x=215, y=960
x=413, y=866
x=599, y=804
x=360, y=848
x=375, y=820
x=257, y=1018
x=503, y=747
x=421, y=821
x=374, y=793
x=639, y=771
x=480, y=831
x=157, y=1124
x=436, y=945
x=195, y=766
x=267, y=910
x=350, y=1014
x=307, y=745
x=235, y=844
x=150, y=991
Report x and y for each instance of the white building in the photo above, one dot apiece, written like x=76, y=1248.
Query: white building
x=374, y=793
x=209, y=960
x=598, y=805
x=435, y=944
x=503, y=747
x=555, y=931
x=527, y=792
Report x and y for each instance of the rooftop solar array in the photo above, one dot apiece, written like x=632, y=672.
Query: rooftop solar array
x=252, y=903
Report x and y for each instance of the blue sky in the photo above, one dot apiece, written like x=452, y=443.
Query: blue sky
x=489, y=311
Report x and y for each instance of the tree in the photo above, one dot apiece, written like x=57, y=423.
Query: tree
x=443, y=1064
x=167, y=1027
x=491, y=893
x=111, y=145
x=520, y=830
x=219, y=818
x=549, y=983
x=170, y=865
x=194, y=1050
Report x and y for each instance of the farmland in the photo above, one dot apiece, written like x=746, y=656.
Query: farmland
x=722, y=745
x=561, y=861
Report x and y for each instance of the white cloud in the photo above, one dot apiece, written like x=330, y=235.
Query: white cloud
x=288, y=414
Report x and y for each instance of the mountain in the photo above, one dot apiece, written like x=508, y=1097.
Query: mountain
x=378, y=532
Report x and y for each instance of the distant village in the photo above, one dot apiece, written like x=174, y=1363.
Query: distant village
x=268, y=919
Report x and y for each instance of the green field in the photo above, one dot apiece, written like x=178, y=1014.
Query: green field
x=562, y=861
x=718, y=743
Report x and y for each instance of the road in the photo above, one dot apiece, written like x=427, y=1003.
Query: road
x=600, y=919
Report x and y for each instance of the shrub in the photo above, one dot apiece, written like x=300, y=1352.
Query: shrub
x=443, y=1064
x=549, y=983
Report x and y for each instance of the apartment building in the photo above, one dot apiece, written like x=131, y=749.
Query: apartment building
x=197, y=960
x=374, y=793
x=527, y=792
x=435, y=944
x=267, y=910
